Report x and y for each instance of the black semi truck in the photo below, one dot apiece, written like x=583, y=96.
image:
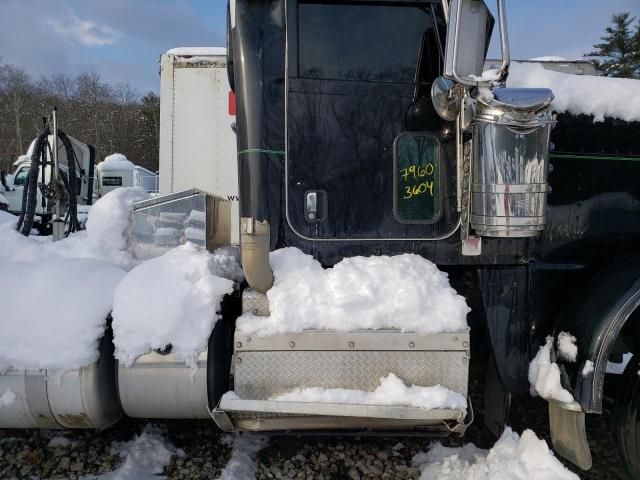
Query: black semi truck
x=366, y=127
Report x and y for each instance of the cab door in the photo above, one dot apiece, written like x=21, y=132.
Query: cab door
x=14, y=196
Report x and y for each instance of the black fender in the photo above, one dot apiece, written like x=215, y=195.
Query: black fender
x=595, y=317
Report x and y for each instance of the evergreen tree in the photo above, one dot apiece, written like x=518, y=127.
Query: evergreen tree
x=617, y=54
x=635, y=47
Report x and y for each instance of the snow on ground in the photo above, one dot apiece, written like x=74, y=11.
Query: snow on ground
x=6, y=217
x=115, y=161
x=242, y=464
x=544, y=376
x=7, y=398
x=404, y=291
x=511, y=458
x=567, y=348
x=171, y=299
x=145, y=457
x=581, y=94
x=51, y=304
x=392, y=391
x=59, y=442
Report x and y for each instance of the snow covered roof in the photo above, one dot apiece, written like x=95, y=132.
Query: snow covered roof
x=116, y=161
x=550, y=58
x=581, y=94
x=198, y=51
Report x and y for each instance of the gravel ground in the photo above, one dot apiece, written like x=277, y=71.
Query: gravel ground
x=25, y=454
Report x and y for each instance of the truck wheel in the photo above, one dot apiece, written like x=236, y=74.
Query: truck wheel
x=626, y=417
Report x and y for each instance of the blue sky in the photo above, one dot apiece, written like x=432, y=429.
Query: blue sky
x=123, y=39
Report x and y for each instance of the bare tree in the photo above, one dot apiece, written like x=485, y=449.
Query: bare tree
x=111, y=117
x=16, y=90
x=58, y=86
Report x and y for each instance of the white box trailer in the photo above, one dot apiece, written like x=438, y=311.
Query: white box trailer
x=197, y=110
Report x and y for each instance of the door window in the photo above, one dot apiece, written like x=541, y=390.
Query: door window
x=21, y=177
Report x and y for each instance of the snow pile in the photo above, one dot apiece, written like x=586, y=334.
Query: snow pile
x=116, y=161
x=6, y=217
x=57, y=294
x=108, y=219
x=587, y=369
x=544, y=376
x=171, y=299
x=581, y=94
x=392, y=391
x=511, y=458
x=145, y=457
x=50, y=305
x=405, y=291
x=567, y=348
x=242, y=464
x=104, y=238
x=7, y=398
x=3, y=200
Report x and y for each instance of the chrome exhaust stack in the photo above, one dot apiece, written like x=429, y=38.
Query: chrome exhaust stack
x=254, y=253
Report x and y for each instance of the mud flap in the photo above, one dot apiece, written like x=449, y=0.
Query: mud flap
x=568, y=433
x=497, y=400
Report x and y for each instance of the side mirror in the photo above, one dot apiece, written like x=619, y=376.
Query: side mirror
x=468, y=36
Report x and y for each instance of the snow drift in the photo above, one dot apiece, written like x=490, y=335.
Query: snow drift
x=406, y=292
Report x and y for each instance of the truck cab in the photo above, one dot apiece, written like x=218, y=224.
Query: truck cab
x=370, y=128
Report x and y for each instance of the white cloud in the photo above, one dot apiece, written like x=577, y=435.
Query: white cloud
x=85, y=32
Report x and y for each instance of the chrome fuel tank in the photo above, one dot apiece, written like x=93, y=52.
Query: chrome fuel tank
x=83, y=398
